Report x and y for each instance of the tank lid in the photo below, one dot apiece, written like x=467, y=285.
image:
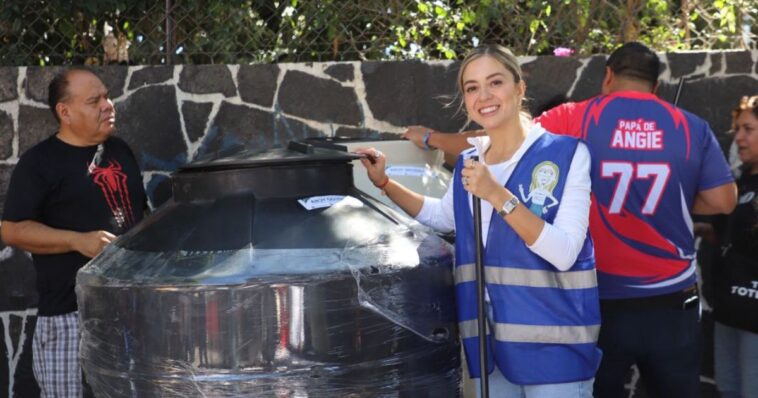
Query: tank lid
x=296, y=152
x=300, y=170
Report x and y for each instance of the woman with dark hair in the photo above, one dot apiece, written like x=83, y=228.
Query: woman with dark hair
x=543, y=308
x=735, y=271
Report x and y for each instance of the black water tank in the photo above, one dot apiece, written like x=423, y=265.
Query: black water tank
x=269, y=274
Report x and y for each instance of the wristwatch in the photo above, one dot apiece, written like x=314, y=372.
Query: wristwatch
x=427, y=136
x=509, y=206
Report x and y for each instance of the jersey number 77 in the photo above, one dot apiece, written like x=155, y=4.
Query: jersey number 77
x=626, y=173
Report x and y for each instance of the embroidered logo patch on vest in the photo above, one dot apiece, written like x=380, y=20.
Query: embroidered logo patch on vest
x=540, y=197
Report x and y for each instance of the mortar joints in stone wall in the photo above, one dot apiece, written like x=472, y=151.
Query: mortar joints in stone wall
x=216, y=99
x=22, y=98
x=234, y=71
x=525, y=59
x=326, y=128
x=702, y=70
x=13, y=108
x=129, y=72
x=185, y=136
x=279, y=80
x=147, y=176
x=317, y=70
x=369, y=121
x=176, y=76
x=722, y=66
x=125, y=92
x=584, y=62
x=445, y=63
x=193, y=147
x=666, y=75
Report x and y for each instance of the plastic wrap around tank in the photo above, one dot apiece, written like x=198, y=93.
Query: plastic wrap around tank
x=419, y=170
x=270, y=274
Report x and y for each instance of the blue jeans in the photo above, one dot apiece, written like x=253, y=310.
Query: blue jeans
x=500, y=387
x=664, y=343
x=736, y=357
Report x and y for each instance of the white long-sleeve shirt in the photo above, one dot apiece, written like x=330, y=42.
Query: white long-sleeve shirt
x=559, y=243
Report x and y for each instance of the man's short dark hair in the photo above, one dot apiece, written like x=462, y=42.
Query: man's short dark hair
x=635, y=60
x=57, y=91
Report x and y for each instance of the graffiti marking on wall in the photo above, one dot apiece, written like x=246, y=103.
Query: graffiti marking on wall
x=14, y=350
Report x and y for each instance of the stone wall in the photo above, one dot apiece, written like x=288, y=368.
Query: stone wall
x=171, y=115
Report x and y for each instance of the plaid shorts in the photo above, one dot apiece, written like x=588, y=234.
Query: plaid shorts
x=55, y=354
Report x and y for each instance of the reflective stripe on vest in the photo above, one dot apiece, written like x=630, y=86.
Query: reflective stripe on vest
x=544, y=334
x=528, y=277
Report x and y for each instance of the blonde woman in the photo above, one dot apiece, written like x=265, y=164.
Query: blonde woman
x=539, y=266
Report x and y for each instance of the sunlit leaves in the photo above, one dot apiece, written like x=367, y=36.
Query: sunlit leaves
x=243, y=31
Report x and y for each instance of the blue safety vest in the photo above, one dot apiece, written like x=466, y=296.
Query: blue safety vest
x=545, y=321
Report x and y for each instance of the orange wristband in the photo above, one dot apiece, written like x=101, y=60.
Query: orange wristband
x=383, y=184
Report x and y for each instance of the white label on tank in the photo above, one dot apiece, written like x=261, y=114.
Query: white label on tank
x=411, y=171
x=319, y=202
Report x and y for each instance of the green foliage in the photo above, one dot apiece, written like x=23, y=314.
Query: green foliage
x=49, y=32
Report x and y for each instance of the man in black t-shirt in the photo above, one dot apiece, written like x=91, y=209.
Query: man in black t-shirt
x=70, y=196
